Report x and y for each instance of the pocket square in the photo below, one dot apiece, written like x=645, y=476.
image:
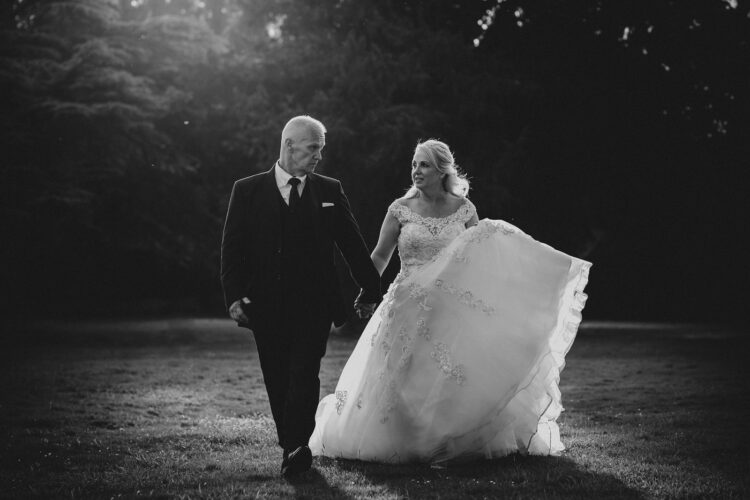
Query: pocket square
x=327, y=204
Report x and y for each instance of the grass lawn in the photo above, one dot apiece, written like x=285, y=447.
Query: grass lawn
x=177, y=409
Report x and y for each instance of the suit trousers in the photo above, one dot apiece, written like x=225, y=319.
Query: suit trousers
x=290, y=360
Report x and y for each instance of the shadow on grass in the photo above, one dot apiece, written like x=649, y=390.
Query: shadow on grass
x=177, y=408
x=515, y=476
x=312, y=484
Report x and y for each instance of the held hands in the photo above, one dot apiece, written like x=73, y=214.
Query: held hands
x=363, y=310
x=236, y=312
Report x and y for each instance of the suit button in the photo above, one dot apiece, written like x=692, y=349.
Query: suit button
x=278, y=277
x=278, y=251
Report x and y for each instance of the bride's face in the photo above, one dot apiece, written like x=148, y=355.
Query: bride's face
x=423, y=174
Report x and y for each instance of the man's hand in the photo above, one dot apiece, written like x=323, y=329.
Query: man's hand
x=236, y=313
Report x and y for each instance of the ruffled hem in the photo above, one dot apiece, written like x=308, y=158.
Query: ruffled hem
x=527, y=406
x=546, y=439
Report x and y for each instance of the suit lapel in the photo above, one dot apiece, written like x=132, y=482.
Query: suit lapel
x=272, y=209
x=272, y=205
x=314, y=206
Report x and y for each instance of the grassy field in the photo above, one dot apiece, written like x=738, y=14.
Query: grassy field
x=177, y=409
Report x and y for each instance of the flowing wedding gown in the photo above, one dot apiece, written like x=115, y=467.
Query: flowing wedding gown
x=462, y=358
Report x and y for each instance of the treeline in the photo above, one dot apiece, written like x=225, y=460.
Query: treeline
x=603, y=130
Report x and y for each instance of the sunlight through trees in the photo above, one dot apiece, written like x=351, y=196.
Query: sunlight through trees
x=125, y=122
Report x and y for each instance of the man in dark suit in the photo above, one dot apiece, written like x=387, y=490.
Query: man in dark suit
x=279, y=280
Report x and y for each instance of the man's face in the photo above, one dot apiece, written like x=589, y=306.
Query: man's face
x=306, y=152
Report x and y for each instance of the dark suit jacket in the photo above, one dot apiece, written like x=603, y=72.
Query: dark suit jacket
x=251, y=246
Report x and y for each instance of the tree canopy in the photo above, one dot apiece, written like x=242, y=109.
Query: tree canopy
x=614, y=132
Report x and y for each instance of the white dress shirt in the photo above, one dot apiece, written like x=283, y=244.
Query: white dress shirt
x=282, y=181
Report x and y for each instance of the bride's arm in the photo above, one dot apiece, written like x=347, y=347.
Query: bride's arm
x=387, y=242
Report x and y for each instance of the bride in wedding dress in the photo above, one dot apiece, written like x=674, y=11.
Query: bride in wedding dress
x=462, y=358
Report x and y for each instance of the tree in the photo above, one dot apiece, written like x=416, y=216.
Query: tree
x=126, y=122
x=89, y=124
x=645, y=104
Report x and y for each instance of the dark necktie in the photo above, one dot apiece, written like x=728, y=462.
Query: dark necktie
x=293, y=194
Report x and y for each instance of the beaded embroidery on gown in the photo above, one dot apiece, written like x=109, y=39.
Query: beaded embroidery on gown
x=462, y=358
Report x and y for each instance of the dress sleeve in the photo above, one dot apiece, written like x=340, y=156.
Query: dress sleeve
x=468, y=211
x=399, y=211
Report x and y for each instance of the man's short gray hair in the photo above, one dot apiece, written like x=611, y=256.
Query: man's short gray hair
x=302, y=122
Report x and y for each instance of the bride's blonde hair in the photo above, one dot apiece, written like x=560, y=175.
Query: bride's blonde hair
x=440, y=156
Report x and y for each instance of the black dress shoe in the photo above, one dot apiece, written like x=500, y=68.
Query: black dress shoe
x=298, y=461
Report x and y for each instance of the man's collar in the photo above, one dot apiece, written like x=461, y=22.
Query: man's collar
x=282, y=176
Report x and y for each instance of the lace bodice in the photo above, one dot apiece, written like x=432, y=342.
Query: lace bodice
x=422, y=238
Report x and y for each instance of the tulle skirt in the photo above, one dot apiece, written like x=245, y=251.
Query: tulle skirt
x=462, y=358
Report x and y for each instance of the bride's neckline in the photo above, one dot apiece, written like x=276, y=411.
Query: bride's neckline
x=425, y=217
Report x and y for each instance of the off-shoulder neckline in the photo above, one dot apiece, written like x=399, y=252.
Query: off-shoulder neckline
x=466, y=203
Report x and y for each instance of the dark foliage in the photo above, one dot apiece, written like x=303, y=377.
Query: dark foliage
x=612, y=132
